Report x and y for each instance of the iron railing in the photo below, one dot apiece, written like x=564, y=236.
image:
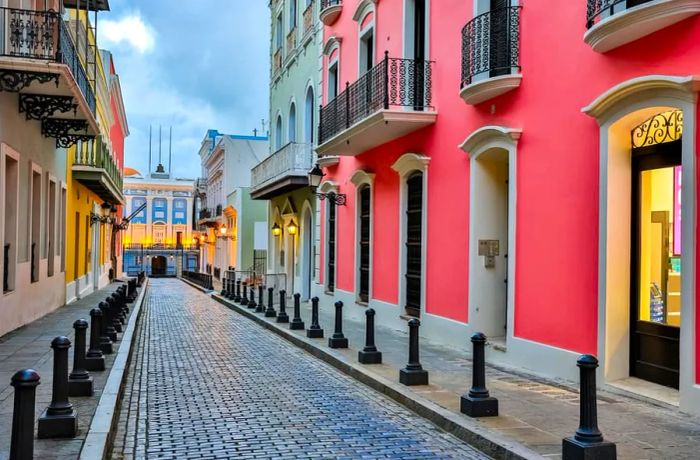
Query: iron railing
x=201, y=279
x=294, y=159
x=95, y=154
x=160, y=247
x=208, y=213
x=328, y=3
x=491, y=44
x=393, y=82
x=599, y=9
x=43, y=35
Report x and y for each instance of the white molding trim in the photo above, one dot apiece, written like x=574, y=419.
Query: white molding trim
x=409, y=162
x=633, y=23
x=482, y=90
x=326, y=161
x=363, y=8
x=328, y=186
x=488, y=137
x=646, y=87
x=361, y=176
x=331, y=44
x=622, y=107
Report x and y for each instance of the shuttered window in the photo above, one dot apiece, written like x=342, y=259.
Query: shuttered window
x=364, y=243
x=330, y=285
x=414, y=233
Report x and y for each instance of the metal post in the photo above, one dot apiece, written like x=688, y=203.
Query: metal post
x=314, y=331
x=369, y=354
x=244, y=299
x=79, y=380
x=260, y=308
x=338, y=340
x=478, y=402
x=94, y=360
x=22, y=441
x=237, y=298
x=282, y=316
x=59, y=420
x=297, y=324
x=386, y=80
x=270, y=312
x=116, y=317
x=413, y=373
x=588, y=441
x=108, y=325
x=224, y=285
x=252, y=304
x=347, y=104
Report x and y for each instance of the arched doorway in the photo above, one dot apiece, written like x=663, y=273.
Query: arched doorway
x=159, y=266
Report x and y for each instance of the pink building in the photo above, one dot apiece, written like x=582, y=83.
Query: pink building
x=515, y=168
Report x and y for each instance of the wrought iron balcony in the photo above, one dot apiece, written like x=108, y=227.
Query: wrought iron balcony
x=330, y=10
x=491, y=55
x=29, y=37
x=390, y=100
x=613, y=23
x=285, y=170
x=210, y=216
x=94, y=167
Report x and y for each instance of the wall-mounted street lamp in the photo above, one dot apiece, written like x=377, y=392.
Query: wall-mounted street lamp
x=315, y=178
x=292, y=227
x=276, y=230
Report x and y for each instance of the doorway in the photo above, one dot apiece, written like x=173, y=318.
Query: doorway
x=307, y=254
x=655, y=292
x=158, y=266
x=414, y=243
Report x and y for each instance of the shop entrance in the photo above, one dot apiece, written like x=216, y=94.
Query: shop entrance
x=158, y=266
x=656, y=250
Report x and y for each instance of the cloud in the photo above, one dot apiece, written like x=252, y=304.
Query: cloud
x=130, y=29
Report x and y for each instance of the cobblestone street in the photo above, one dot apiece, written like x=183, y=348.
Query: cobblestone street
x=206, y=383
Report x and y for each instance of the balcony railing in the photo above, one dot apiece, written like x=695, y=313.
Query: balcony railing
x=491, y=45
x=209, y=213
x=599, y=9
x=393, y=82
x=294, y=159
x=329, y=3
x=309, y=18
x=330, y=10
x=42, y=35
x=95, y=154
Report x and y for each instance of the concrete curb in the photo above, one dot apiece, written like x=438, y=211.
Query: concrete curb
x=100, y=431
x=466, y=429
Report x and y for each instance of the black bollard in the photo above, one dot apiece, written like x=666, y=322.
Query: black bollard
x=107, y=325
x=252, y=304
x=94, y=359
x=224, y=287
x=478, y=402
x=369, y=354
x=114, y=312
x=282, y=316
x=59, y=420
x=121, y=305
x=338, y=340
x=260, y=307
x=314, y=331
x=123, y=300
x=244, y=299
x=270, y=312
x=22, y=441
x=413, y=373
x=230, y=288
x=588, y=441
x=79, y=380
x=237, y=297
x=297, y=324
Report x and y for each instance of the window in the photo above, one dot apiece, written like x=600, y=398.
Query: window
x=35, y=232
x=364, y=243
x=330, y=269
x=414, y=234
x=292, y=14
x=292, y=123
x=332, y=81
x=278, y=133
x=160, y=209
x=62, y=229
x=309, y=121
x=136, y=203
x=366, y=50
x=9, y=214
x=51, y=228
x=279, y=31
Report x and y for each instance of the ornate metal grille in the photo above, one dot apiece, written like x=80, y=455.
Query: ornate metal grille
x=599, y=9
x=491, y=44
x=661, y=128
x=328, y=3
x=30, y=34
x=393, y=82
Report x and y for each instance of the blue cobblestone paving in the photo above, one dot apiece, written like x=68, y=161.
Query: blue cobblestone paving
x=207, y=383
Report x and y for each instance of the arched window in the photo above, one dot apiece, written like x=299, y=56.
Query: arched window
x=278, y=133
x=309, y=116
x=292, y=123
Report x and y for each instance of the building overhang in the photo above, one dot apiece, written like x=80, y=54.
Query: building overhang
x=483, y=90
x=99, y=182
x=279, y=187
x=377, y=129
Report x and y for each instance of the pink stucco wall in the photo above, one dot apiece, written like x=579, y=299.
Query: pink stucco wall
x=557, y=164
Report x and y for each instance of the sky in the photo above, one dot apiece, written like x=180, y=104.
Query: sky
x=190, y=64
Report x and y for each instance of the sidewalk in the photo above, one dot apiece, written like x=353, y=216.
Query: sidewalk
x=30, y=347
x=535, y=413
